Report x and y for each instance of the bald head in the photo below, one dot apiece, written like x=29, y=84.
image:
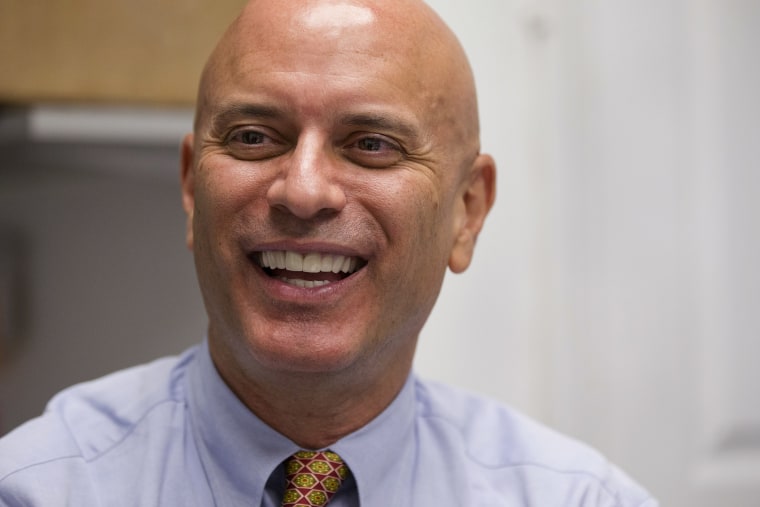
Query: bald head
x=401, y=41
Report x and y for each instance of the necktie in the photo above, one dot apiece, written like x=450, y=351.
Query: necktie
x=312, y=478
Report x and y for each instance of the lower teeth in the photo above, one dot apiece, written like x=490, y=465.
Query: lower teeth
x=304, y=284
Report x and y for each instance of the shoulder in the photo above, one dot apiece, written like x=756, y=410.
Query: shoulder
x=500, y=435
x=505, y=443
x=88, y=420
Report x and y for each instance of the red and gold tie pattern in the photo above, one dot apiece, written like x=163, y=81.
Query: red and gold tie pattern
x=313, y=478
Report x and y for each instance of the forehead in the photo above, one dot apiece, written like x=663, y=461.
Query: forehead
x=341, y=48
x=320, y=58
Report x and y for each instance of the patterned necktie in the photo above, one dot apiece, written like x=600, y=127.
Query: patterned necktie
x=312, y=478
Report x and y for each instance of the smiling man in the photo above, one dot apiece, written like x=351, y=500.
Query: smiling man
x=333, y=176
x=328, y=184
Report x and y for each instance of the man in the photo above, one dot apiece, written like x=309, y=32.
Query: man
x=333, y=175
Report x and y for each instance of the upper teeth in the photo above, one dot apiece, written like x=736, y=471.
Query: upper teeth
x=309, y=263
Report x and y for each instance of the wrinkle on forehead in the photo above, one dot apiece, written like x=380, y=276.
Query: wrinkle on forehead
x=334, y=17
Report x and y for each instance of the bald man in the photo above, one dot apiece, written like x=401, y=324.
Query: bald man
x=333, y=175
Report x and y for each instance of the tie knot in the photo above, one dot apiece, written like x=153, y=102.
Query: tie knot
x=313, y=478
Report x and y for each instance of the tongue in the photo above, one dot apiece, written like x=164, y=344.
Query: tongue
x=314, y=277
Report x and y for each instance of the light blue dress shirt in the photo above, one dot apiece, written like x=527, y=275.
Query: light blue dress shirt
x=171, y=433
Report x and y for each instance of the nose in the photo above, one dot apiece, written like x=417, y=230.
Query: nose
x=306, y=187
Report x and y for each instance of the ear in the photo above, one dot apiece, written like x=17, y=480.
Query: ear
x=475, y=203
x=187, y=178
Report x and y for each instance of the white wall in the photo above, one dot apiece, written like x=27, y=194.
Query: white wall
x=615, y=292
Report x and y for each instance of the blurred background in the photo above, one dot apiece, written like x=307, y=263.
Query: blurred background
x=615, y=293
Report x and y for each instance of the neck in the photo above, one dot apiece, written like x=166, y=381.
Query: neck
x=315, y=410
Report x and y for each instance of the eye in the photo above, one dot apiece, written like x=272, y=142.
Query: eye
x=251, y=137
x=248, y=143
x=373, y=150
x=370, y=144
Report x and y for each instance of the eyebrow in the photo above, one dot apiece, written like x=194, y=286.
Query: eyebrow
x=236, y=111
x=381, y=122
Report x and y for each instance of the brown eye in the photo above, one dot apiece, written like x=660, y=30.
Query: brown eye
x=373, y=150
x=254, y=144
x=251, y=137
x=370, y=144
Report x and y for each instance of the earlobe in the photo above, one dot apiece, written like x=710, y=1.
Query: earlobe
x=476, y=201
x=187, y=178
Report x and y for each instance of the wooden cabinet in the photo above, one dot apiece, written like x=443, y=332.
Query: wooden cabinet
x=141, y=51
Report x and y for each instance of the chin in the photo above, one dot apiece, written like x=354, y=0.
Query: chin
x=298, y=354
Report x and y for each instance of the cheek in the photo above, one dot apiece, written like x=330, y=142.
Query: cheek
x=221, y=193
x=415, y=223
x=221, y=184
x=224, y=190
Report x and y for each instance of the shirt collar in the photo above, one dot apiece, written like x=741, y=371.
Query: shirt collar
x=381, y=454
x=239, y=451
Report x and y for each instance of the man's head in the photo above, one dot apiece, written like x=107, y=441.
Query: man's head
x=333, y=175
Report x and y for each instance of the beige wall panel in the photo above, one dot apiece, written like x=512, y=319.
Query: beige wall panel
x=149, y=51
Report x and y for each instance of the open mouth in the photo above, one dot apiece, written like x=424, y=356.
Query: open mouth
x=307, y=270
